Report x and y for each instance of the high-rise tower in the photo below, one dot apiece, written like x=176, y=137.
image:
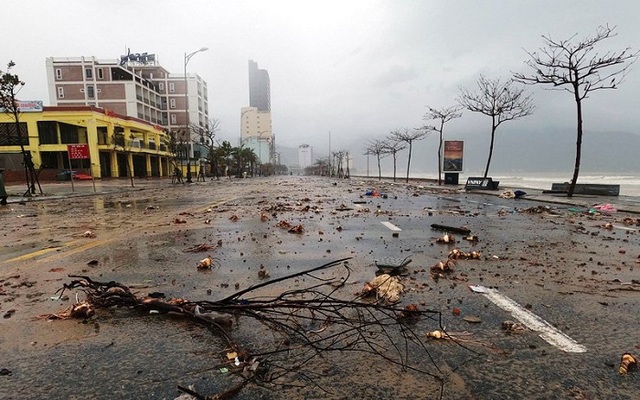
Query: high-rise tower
x=255, y=120
x=259, y=87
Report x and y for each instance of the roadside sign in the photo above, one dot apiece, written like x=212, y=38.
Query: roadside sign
x=78, y=151
x=453, y=150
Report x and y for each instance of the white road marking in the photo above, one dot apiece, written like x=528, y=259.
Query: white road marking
x=546, y=331
x=390, y=226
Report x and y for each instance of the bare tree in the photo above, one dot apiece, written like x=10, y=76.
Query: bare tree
x=377, y=148
x=575, y=67
x=408, y=136
x=393, y=147
x=502, y=101
x=10, y=85
x=443, y=115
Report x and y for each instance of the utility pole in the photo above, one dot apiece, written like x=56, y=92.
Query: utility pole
x=329, y=154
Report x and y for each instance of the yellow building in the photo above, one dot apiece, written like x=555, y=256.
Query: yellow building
x=118, y=145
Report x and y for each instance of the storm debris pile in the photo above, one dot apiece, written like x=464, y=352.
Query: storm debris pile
x=304, y=323
x=385, y=287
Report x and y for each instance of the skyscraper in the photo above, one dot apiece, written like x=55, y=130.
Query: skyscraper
x=259, y=87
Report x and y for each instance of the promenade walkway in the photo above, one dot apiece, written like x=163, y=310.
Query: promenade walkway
x=61, y=190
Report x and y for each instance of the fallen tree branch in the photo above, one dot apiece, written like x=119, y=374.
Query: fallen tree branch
x=305, y=324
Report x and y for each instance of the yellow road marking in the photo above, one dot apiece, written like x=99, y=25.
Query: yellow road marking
x=78, y=249
x=40, y=252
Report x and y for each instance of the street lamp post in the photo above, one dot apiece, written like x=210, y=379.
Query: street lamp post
x=187, y=57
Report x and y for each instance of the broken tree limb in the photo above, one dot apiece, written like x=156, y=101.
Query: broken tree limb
x=462, y=230
x=299, y=326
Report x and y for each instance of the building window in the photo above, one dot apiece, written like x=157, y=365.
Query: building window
x=172, y=103
x=172, y=87
x=61, y=93
x=161, y=86
x=58, y=73
x=90, y=92
x=68, y=133
x=173, y=119
x=9, y=135
x=103, y=135
x=100, y=73
x=88, y=73
x=47, y=132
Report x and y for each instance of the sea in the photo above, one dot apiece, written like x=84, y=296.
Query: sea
x=629, y=183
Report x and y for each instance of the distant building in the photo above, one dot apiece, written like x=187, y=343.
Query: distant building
x=116, y=144
x=305, y=156
x=259, y=87
x=255, y=121
x=134, y=86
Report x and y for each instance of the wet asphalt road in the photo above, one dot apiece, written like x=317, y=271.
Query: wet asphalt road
x=562, y=266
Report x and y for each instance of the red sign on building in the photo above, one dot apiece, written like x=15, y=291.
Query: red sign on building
x=78, y=151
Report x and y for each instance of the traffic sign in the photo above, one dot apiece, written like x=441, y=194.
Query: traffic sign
x=78, y=151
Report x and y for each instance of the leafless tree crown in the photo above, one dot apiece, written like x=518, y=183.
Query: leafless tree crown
x=406, y=135
x=501, y=100
x=577, y=67
x=443, y=115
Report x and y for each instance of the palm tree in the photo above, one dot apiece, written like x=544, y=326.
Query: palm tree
x=224, y=152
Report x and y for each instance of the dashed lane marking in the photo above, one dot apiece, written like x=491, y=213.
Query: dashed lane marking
x=545, y=330
x=390, y=226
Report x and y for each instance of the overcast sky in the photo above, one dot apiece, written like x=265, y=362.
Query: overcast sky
x=357, y=69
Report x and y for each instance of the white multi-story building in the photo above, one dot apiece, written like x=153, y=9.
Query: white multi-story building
x=305, y=156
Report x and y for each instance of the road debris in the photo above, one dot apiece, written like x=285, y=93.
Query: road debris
x=460, y=230
x=205, y=263
x=459, y=254
x=296, y=229
x=446, y=239
x=385, y=287
x=392, y=265
x=80, y=310
x=444, y=266
x=512, y=326
x=332, y=320
x=628, y=362
x=200, y=248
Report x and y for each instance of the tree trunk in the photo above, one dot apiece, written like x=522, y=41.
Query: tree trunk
x=394, y=167
x=409, y=161
x=576, y=169
x=440, y=155
x=379, y=169
x=493, y=136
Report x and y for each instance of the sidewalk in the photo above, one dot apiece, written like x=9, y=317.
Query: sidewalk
x=628, y=204
x=61, y=190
